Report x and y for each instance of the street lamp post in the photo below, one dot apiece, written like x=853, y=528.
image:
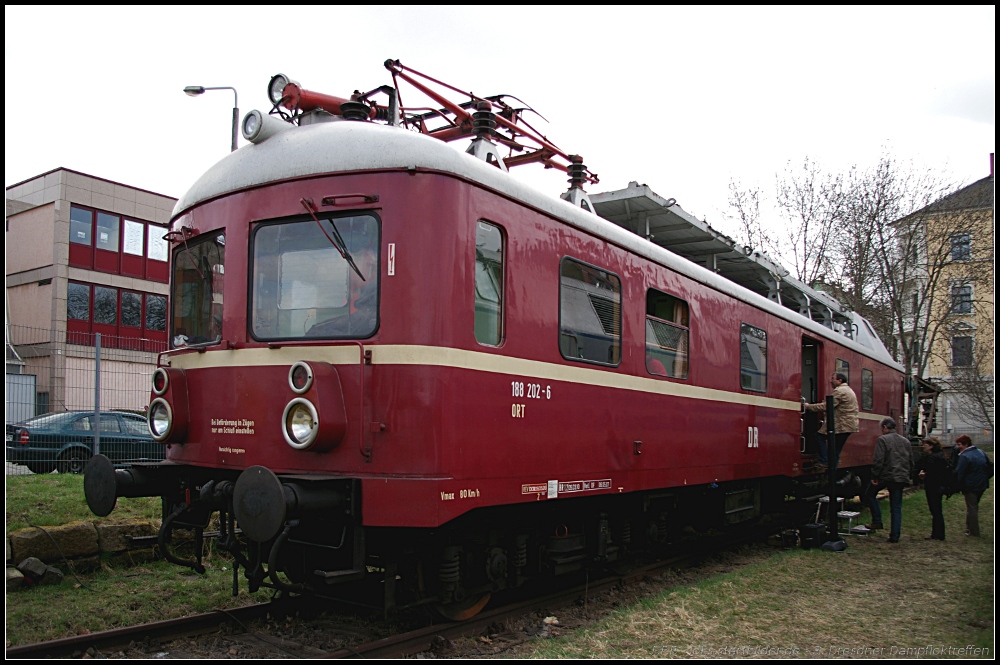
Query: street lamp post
x=195, y=90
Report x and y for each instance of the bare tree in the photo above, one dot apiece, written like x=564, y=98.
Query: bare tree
x=811, y=202
x=744, y=207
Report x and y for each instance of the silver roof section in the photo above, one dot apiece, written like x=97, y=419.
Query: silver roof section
x=333, y=147
x=661, y=221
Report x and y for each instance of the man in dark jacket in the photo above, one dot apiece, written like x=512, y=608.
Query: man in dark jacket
x=974, y=478
x=892, y=468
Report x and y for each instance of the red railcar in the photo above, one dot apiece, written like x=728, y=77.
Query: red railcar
x=394, y=360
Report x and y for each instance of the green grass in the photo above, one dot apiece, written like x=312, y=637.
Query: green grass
x=875, y=599
x=113, y=598
x=53, y=499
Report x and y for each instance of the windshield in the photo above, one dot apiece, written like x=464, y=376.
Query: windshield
x=304, y=284
x=199, y=269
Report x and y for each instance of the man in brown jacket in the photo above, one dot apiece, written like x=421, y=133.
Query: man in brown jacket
x=845, y=412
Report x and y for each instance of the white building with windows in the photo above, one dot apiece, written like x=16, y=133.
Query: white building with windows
x=85, y=255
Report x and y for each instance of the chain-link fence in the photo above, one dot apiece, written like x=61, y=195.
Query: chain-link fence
x=981, y=438
x=51, y=399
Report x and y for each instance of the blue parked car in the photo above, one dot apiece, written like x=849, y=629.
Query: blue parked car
x=65, y=441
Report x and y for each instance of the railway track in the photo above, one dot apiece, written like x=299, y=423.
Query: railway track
x=242, y=626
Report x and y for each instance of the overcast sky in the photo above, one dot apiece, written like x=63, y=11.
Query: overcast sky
x=680, y=99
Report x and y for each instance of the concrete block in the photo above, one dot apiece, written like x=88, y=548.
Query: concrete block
x=115, y=537
x=131, y=558
x=15, y=579
x=33, y=568
x=87, y=564
x=51, y=577
x=74, y=540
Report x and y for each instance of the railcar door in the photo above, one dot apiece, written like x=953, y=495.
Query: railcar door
x=810, y=393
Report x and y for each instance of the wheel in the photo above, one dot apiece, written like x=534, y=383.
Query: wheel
x=72, y=461
x=40, y=467
x=463, y=610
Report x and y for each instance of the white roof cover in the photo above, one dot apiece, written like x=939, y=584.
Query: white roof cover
x=333, y=147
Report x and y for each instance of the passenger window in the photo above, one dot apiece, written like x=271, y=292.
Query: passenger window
x=590, y=313
x=753, y=358
x=489, y=284
x=666, y=335
x=843, y=367
x=867, y=390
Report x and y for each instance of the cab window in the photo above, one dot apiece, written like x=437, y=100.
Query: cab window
x=315, y=278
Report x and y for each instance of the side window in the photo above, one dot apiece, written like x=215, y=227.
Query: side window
x=590, y=313
x=843, y=367
x=109, y=423
x=667, y=330
x=78, y=302
x=81, y=224
x=867, y=389
x=135, y=425
x=489, y=284
x=753, y=358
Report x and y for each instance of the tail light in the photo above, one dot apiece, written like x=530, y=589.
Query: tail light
x=23, y=438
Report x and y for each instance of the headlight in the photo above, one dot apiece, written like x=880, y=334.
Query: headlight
x=160, y=381
x=300, y=423
x=277, y=86
x=258, y=127
x=160, y=418
x=300, y=377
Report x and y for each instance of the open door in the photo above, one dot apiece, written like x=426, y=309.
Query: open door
x=810, y=393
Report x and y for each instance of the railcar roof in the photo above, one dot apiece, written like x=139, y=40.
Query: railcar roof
x=334, y=147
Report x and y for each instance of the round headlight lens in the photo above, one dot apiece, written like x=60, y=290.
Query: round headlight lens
x=251, y=125
x=160, y=381
x=159, y=419
x=301, y=424
x=276, y=87
x=300, y=377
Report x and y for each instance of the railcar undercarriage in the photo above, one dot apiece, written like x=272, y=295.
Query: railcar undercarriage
x=304, y=535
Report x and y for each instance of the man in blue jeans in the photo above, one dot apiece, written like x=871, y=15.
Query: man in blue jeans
x=892, y=468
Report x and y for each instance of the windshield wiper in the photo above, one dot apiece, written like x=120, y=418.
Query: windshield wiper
x=336, y=240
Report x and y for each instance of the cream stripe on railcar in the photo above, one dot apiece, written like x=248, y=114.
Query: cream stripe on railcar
x=437, y=356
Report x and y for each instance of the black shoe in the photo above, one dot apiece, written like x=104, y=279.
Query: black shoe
x=890, y=540
x=873, y=526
